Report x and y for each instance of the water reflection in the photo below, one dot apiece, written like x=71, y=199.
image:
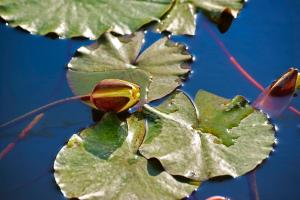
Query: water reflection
x=277, y=97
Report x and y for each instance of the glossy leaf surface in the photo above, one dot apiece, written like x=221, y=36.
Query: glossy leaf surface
x=102, y=163
x=82, y=18
x=158, y=70
x=181, y=18
x=222, y=12
x=176, y=136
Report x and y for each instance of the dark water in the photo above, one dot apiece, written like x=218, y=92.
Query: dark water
x=265, y=40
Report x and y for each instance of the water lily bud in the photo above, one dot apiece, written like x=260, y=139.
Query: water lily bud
x=298, y=82
x=276, y=98
x=217, y=198
x=286, y=84
x=115, y=95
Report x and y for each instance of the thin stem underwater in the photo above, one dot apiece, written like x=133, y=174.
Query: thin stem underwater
x=236, y=64
x=251, y=178
x=42, y=108
x=21, y=136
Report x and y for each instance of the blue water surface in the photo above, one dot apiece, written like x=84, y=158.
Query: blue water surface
x=265, y=39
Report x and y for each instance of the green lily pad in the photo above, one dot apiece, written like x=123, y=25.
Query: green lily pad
x=180, y=19
x=222, y=12
x=82, y=18
x=158, y=70
x=191, y=141
x=102, y=163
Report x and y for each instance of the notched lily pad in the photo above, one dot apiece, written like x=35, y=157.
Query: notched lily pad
x=158, y=70
x=192, y=140
x=222, y=12
x=82, y=18
x=92, y=18
x=181, y=19
x=102, y=163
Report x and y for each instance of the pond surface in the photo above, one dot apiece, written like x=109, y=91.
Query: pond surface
x=265, y=40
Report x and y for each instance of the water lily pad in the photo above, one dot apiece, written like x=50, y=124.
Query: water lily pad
x=180, y=19
x=189, y=140
x=102, y=163
x=158, y=70
x=222, y=12
x=82, y=18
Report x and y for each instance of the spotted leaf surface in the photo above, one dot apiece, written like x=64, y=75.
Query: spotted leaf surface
x=158, y=70
x=189, y=140
x=102, y=163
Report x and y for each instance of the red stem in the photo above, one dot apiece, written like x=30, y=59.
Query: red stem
x=42, y=108
x=7, y=149
x=238, y=66
x=253, y=189
x=21, y=136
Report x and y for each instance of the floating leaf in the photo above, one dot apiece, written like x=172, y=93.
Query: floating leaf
x=222, y=12
x=158, y=70
x=193, y=145
x=181, y=18
x=82, y=18
x=101, y=163
x=221, y=115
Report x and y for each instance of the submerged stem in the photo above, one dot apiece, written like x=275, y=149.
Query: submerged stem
x=252, y=184
x=42, y=108
x=236, y=64
x=21, y=136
